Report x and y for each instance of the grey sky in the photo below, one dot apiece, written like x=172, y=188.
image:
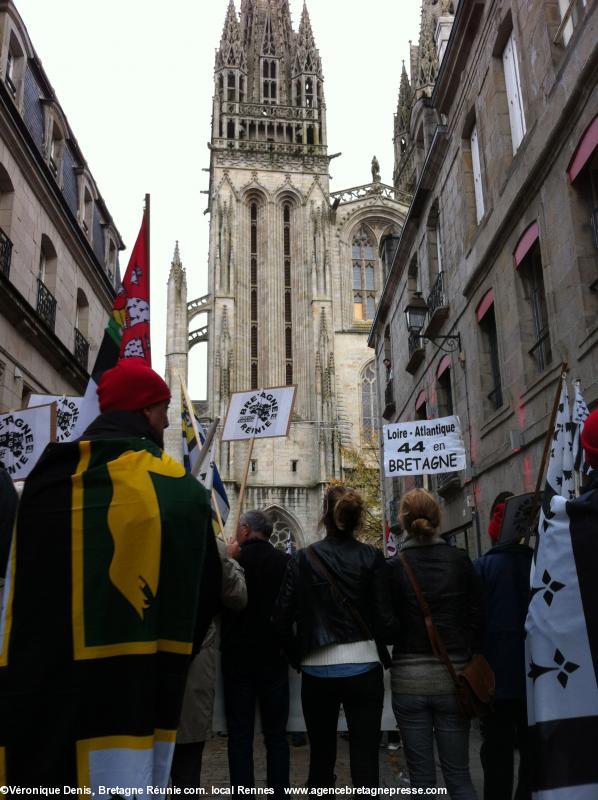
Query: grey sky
x=135, y=79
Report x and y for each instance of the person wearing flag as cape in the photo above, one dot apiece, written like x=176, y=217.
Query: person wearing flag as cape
x=113, y=579
x=562, y=641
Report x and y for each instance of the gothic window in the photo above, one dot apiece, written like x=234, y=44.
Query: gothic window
x=253, y=288
x=269, y=80
x=288, y=316
x=369, y=402
x=231, y=87
x=364, y=277
x=283, y=534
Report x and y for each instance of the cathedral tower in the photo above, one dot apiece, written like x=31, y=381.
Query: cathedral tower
x=292, y=271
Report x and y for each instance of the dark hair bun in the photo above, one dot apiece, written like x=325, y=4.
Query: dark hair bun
x=348, y=510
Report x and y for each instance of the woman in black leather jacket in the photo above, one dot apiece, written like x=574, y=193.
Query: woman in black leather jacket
x=423, y=694
x=330, y=607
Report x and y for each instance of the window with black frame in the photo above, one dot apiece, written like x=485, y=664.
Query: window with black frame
x=530, y=271
x=489, y=353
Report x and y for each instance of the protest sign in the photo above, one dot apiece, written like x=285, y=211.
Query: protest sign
x=423, y=447
x=24, y=435
x=259, y=414
x=67, y=413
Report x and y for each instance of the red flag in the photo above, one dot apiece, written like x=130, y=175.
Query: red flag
x=131, y=310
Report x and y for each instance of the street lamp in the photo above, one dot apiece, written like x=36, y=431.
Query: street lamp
x=416, y=312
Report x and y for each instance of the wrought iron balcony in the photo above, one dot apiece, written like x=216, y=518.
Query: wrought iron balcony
x=5, y=253
x=541, y=352
x=81, y=348
x=416, y=352
x=447, y=483
x=46, y=304
x=437, y=306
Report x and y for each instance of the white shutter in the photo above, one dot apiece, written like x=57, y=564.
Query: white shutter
x=513, y=87
x=477, y=174
x=568, y=29
x=439, y=245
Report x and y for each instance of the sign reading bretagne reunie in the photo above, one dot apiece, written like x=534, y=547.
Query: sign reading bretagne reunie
x=24, y=435
x=424, y=447
x=262, y=413
x=67, y=413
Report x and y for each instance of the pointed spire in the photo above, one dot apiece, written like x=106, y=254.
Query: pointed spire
x=405, y=102
x=307, y=57
x=427, y=57
x=230, y=52
x=177, y=273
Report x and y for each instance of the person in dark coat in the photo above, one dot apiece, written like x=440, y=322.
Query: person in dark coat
x=8, y=510
x=423, y=693
x=254, y=667
x=505, y=571
x=329, y=631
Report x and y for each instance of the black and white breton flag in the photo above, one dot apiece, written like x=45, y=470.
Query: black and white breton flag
x=562, y=651
x=560, y=481
x=580, y=413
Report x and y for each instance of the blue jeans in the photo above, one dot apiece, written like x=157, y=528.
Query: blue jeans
x=420, y=719
x=244, y=686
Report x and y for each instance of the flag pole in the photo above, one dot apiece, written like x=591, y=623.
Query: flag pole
x=535, y=505
x=191, y=413
x=550, y=431
x=244, y=480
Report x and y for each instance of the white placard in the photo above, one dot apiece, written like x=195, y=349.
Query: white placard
x=67, y=413
x=262, y=412
x=424, y=447
x=24, y=435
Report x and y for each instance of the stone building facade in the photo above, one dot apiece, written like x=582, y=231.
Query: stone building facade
x=58, y=243
x=498, y=141
x=293, y=269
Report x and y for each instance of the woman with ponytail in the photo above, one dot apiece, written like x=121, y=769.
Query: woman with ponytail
x=331, y=608
x=423, y=692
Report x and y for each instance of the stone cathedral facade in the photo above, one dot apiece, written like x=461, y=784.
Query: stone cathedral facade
x=294, y=273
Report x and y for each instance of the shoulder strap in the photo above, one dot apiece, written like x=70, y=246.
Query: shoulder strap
x=318, y=564
x=438, y=647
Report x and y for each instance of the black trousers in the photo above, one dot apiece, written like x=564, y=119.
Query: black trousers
x=362, y=697
x=503, y=731
x=186, y=765
x=244, y=687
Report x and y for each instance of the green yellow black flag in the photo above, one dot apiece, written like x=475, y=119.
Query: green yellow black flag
x=99, y=618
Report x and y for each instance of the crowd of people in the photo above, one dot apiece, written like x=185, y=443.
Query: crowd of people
x=331, y=612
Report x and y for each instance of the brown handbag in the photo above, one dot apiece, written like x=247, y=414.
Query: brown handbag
x=475, y=684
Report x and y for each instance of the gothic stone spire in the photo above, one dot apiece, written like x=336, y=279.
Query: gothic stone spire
x=427, y=57
x=307, y=57
x=231, y=52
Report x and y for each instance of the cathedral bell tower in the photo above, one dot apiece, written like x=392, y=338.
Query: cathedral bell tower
x=269, y=278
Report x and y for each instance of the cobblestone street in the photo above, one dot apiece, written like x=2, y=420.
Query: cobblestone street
x=392, y=764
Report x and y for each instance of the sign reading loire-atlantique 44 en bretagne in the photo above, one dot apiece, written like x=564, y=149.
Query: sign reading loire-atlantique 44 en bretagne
x=424, y=447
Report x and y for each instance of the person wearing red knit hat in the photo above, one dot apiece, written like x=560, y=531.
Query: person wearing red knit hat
x=115, y=577
x=589, y=439
x=133, y=400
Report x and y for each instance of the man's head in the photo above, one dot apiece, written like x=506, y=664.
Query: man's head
x=133, y=386
x=254, y=525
